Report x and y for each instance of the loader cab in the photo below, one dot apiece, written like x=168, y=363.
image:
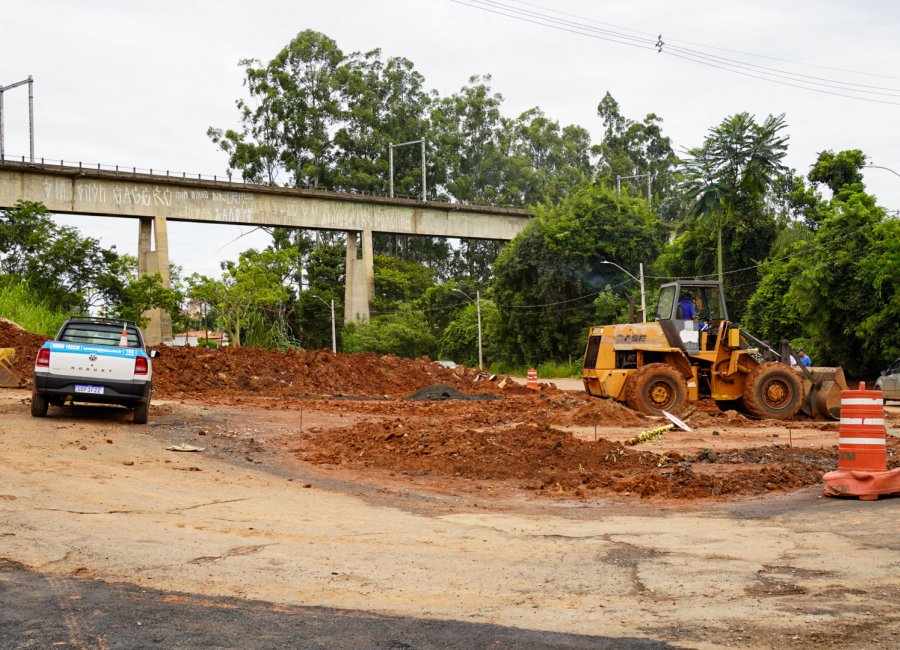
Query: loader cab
x=688, y=309
x=705, y=296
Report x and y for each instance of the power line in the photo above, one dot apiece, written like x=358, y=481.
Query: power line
x=772, y=75
x=710, y=47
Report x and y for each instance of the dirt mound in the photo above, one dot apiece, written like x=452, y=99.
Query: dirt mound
x=26, y=345
x=538, y=457
x=604, y=412
x=182, y=371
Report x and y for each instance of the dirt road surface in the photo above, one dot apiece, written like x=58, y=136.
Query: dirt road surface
x=292, y=529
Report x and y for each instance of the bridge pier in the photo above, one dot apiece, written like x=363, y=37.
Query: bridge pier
x=153, y=257
x=359, y=280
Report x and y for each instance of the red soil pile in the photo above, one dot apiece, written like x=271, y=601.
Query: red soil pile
x=26, y=345
x=537, y=457
x=193, y=372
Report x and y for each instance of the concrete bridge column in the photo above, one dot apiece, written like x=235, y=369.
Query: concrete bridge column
x=153, y=257
x=359, y=283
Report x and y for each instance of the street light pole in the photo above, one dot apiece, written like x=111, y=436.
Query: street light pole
x=885, y=168
x=477, y=302
x=640, y=281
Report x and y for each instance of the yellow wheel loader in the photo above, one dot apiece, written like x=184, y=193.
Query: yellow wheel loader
x=693, y=351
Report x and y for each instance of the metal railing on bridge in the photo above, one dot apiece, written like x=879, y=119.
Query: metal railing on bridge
x=138, y=172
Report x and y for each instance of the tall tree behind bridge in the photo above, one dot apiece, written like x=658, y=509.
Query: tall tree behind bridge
x=631, y=149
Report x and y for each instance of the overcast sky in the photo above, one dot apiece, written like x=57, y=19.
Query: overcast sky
x=138, y=84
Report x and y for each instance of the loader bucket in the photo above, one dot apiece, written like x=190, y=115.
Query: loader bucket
x=7, y=378
x=823, y=394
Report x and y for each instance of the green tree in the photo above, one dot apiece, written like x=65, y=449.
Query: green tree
x=633, y=149
x=459, y=340
x=739, y=160
x=384, y=102
x=398, y=281
x=838, y=170
x=405, y=334
x=69, y=271
x=251, y=297
x=546, y=278
x=144, y=293
x=837, y=290
x=463, y=134
x=298, y=106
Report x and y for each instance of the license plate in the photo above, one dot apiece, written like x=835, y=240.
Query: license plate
x=82, y=388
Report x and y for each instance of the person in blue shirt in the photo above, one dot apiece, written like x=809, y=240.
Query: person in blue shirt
x=686, y=308
x=804, y=359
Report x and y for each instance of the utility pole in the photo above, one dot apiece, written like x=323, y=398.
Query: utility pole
x=477, y=302
x=30, y=82
x=478, y=309
x=333, y=331
x=636, y=176
x=391, y=148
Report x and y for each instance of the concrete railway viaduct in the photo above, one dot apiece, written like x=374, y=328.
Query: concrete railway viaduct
x=155, y=198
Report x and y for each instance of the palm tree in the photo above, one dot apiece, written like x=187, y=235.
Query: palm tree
x=739, y=158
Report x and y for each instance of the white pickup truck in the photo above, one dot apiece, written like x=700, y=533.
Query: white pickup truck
x=99, y=360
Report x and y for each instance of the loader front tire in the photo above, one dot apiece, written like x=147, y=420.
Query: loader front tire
x=655, y=388
x=773, y=391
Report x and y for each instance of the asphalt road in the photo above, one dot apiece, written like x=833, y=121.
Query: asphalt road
x=42, y=611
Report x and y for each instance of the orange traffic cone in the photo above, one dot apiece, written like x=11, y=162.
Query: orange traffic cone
x=532, y=381
x=862, y=451
x=123, y=340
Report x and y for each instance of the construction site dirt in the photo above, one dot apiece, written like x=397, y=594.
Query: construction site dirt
x=403, y=488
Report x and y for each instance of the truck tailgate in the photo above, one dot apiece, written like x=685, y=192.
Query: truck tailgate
x=103, y=362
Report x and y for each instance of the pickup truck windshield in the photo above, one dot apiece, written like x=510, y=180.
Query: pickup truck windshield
x=99, y=334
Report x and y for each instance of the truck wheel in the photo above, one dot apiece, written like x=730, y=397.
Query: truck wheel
x=773, y=391
x=141, y=412
x=39, y=404
x=656, y=388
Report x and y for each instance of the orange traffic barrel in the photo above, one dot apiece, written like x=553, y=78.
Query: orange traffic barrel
x=862, y=432
x=532, y=381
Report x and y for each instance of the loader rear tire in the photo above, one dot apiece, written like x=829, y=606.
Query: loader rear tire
x=773, y=391
x=656, y=388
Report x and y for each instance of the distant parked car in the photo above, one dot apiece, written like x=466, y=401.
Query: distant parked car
x=889, y=382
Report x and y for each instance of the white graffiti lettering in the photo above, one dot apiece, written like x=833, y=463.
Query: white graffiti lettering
x=92, y=192
x=56, y=189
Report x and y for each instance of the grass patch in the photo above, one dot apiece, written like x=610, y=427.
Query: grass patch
x=548, y=369
x=18, y=304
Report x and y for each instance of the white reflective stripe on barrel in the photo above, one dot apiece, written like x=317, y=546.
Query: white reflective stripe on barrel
x=861, y=441
x=861, y=401
x=864, y=421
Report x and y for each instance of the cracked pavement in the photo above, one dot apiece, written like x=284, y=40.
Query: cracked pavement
x=94, y=498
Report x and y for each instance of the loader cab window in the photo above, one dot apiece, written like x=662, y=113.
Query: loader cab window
x=708, y=304
x=666, y=303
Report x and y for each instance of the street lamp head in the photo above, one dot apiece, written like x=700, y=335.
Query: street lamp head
x=463, y=293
